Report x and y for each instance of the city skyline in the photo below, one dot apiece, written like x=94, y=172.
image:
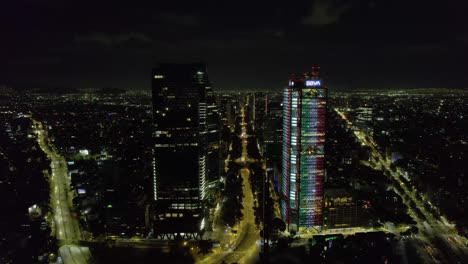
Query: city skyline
x=324, y=131
x=77, y=176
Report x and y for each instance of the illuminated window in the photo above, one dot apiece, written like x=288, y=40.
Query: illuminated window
x=159, y=76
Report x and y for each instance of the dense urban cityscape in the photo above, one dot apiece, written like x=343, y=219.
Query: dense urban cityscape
x=319, y=131
x=89, y=186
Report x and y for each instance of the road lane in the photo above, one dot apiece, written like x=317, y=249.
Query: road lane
x=244, y=246
x=66, y=227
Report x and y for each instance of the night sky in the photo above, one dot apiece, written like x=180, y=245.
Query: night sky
x=247, y=45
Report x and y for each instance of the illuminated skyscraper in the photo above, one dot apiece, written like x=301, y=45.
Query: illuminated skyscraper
x=304, y=106
x=186, y=155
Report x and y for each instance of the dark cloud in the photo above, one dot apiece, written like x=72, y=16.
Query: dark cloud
x=108, y=39
x=186, y=20
x=39, y=61
x=325, y=12
x=275, y=32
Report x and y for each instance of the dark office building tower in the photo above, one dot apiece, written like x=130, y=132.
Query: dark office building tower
x=186, y=151
x=304, y=105
x=273, y=136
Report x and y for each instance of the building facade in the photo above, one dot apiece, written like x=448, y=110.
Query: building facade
x=186, y=151
x=343, y=210
x=273, y=136
x=304, y=107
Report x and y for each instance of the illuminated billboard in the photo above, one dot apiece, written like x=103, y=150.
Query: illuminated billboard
x=313, y=83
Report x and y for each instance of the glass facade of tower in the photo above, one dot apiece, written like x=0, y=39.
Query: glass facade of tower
x=185, y=133
x=304, y=106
